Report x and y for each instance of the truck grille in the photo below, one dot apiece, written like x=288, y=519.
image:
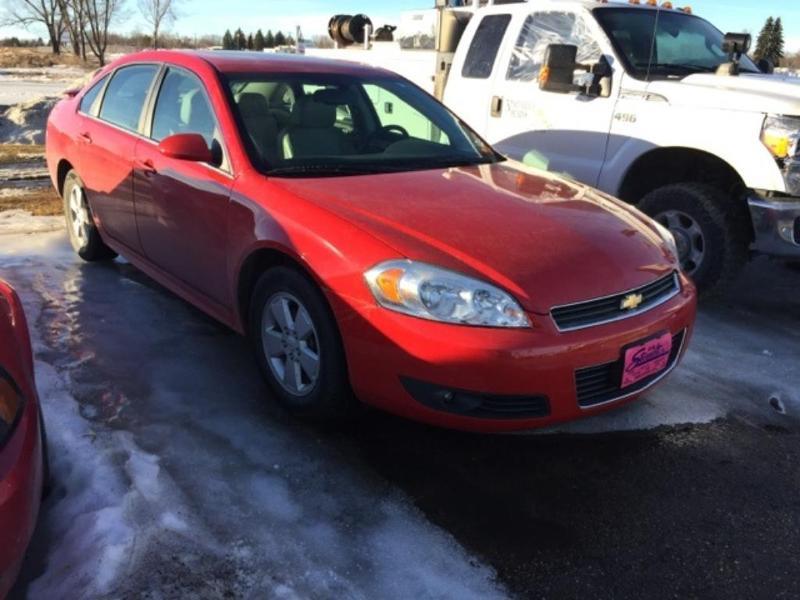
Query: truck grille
x=609, y=308
x=601, y=384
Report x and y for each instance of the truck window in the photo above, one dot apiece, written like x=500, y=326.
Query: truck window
x=483, y=51
x=543, y=29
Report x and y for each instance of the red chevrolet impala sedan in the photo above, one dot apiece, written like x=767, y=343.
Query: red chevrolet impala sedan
x=22, y=453
x=370, y=243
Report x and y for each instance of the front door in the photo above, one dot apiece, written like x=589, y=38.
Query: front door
x=182, y=206
x=560, y=132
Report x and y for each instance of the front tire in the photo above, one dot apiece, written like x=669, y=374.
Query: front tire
x=710, y=229
x=83, y=233
x=298, y=346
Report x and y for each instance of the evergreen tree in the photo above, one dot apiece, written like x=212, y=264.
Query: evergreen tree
x=250, y=42
x=227, y=40
x=776, y=43
x=258, y=42
x=269, y=40
x=239, y=40
x=762, y=45
x=280, y=39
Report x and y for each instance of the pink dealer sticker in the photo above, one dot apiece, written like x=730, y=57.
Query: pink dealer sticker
x=646, y=359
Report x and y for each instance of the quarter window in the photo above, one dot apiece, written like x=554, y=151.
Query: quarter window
x=125, y=95
x=542, y=29
x=90, y=99
x=485, y=45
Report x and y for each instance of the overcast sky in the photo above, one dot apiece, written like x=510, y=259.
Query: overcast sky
x=214, y=16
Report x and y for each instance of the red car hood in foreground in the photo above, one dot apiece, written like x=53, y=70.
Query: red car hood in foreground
x=544, y=239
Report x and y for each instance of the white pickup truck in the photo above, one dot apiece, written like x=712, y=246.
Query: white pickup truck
x=648, y=103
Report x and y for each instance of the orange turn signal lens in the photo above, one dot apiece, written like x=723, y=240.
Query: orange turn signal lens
x=388, y=283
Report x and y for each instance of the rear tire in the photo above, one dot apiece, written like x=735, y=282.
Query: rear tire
x=83, y=233
x=711, y=231
x=298, y=346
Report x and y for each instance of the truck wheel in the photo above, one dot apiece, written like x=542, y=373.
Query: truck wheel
x=711, y=232
x=83, y=234
x=298, y=346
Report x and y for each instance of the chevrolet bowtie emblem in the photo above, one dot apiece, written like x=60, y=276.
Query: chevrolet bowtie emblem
x=631, y=302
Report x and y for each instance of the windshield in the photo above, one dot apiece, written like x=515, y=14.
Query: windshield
x=326, y=125
x=683, y=44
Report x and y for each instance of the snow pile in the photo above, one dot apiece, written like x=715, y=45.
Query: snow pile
x=24, y=123
x=21, y=221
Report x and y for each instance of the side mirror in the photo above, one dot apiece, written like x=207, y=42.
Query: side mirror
x=186, y=146
x=765, y=66
x=558, y=70
x=736, y=43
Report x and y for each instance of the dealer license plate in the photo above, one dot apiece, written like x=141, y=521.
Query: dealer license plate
x=644, y=359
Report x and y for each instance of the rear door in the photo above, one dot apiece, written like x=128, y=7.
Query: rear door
x=107, y=138
x=468, y=92
x=182, y=206
x=560, y=132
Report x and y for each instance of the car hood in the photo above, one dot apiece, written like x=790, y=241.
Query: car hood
x=545, y=239
x=778, y=94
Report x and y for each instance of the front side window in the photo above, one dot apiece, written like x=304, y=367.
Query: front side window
x=665, y=44
x=182, y=106
x=90, y=99
x=482, y=53
x=346, y=124
x=125, y=95
x=542, y=29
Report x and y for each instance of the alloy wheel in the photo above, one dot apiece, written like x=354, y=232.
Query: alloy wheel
x=78, y=214
x=290, y=343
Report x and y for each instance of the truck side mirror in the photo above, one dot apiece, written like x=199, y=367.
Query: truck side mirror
x=558, y=70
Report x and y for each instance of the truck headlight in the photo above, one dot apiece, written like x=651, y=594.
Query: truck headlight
x=437, y=294
x=781, y=135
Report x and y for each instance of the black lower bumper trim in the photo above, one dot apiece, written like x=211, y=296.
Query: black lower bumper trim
x=476, y=404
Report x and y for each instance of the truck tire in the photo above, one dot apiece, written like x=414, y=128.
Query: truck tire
x=710, y=229
x=83, y=233
x=298, y=346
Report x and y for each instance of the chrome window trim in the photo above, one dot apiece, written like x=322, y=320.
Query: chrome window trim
x=620, y=317
x=625, y=395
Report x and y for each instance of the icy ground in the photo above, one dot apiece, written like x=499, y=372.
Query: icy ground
x=175, y=478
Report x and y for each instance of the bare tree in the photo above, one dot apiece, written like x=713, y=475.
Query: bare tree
x=73, y=16
x=157, y=13
x=25, y=13
x=98, y=15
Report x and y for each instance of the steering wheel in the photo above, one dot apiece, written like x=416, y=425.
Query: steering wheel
x=381, y=132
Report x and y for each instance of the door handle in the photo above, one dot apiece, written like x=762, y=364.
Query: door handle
x=497, y=106
x=85, y=138
x=146, y=165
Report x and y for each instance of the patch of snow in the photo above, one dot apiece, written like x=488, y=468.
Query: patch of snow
x=17, y=221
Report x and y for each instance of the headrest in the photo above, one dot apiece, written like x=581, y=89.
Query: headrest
x=335, y=96
x=253, y=105
x=309, y=114
x=188, y=103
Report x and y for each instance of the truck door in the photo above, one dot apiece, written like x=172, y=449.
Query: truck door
x=468, y=92
x=560, y=132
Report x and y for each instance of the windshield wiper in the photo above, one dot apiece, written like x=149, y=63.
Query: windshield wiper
x=321, y=170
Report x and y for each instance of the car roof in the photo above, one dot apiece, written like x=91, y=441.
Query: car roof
x=242, y=61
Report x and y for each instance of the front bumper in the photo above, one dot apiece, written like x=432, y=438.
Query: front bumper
x=776, y=225
x=433, y=372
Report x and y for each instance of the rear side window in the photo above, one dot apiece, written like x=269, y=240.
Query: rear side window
x=125, y=95
x=485, y=45
x=542, y=29
x=90, y=99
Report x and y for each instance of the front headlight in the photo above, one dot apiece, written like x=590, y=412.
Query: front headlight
x=429, y=292
x=781, y=135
